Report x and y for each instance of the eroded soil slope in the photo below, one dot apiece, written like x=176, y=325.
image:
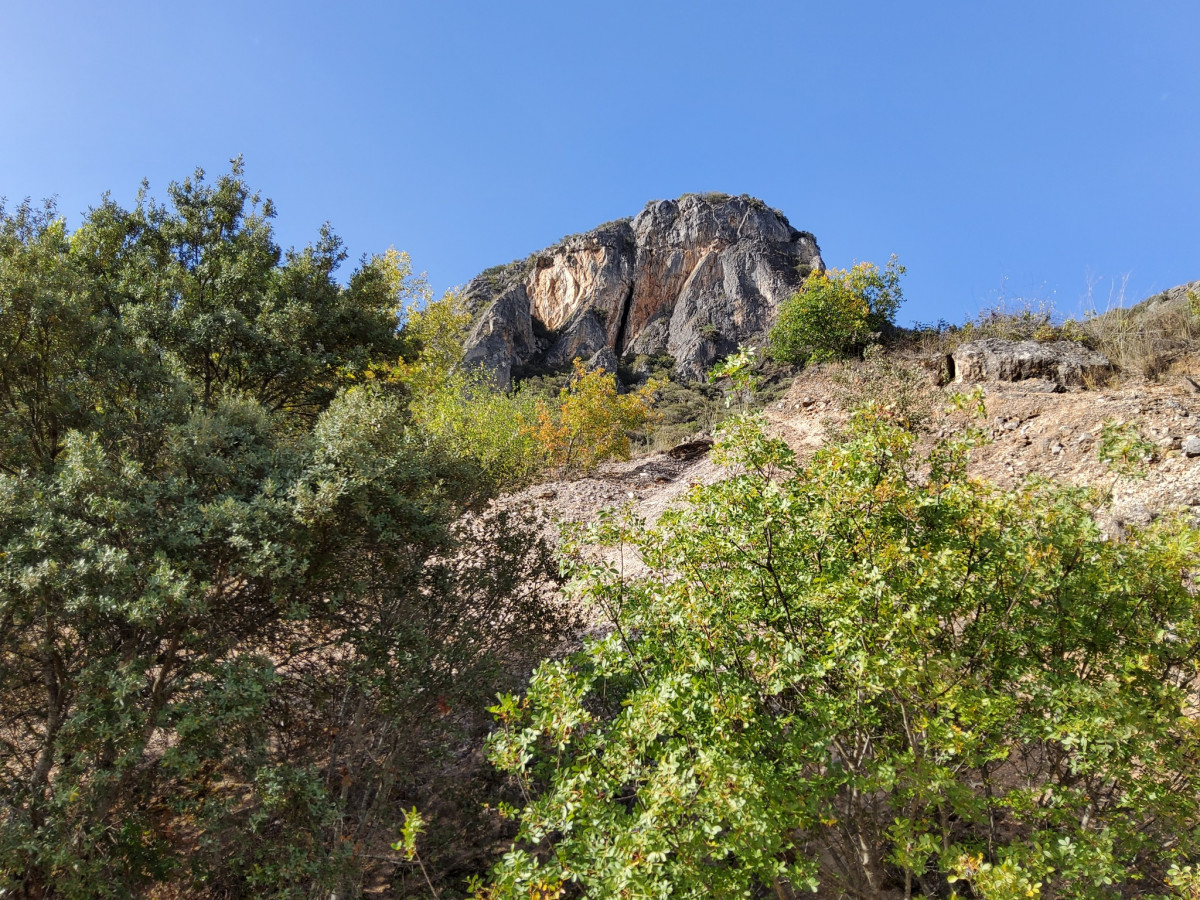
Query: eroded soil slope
x=1055, y=435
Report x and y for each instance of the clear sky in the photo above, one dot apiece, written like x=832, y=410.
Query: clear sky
x=1015, y=149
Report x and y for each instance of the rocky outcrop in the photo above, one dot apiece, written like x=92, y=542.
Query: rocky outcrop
x=691, y=278
x=1052, y=363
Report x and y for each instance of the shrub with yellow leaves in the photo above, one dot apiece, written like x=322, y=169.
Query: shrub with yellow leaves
x=590, y=421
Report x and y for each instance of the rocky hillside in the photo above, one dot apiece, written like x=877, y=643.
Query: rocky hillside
x=1030, y=433
x=1045, y=419
x=691, y=278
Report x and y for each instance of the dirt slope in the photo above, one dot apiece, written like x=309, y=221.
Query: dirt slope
x=1054, y=435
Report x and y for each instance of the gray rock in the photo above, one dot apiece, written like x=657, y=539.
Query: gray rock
x=692, y=277
x=1041, y=386
x=1064, y=363
x=605, y=359
x=1170, y=442
x=502, y=336
x=581, y=338
x=1191, y=446
x=1132, y=512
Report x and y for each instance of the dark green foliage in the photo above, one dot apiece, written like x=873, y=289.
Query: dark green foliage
x=236, y=613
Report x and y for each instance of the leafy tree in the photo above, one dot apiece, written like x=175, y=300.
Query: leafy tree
x=244, y=596
x=436, y=332
x=495, y=430
x=869, y=674
x=836, y=313
x=462, y=409
x=739, y=369
x=590, y=420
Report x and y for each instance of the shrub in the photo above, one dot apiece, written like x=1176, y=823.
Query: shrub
x=682, y=409
x=847, y=677
x=239, y=588
x=1124, y=449
x=591, y=420
x=890, y=384
x=433, y=334
x=1148, y=338
x=462, y=412
x=1019, y=319
x=836, y=313
x=495, y=430
x=739, y=369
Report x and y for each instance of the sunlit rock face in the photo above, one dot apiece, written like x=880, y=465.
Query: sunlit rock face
x=692, y=278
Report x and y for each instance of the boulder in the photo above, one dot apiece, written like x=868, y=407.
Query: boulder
x=605, y=359
x=502, y=336
x=691, y=278
x=1064, y=363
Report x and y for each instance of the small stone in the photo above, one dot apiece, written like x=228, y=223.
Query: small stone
x=1132, y=512
x=1191, y=446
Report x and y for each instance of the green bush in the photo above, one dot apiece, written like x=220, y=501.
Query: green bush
x=461, y=411
x=465, y=414
x=836, y=313
x=1124, y=450
x=846, y=677
x=241, y=584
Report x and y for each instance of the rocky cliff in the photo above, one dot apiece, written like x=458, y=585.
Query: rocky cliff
x=691, y=278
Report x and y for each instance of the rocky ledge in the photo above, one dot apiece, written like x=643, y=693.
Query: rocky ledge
x=1055, y=364
x=691, y=278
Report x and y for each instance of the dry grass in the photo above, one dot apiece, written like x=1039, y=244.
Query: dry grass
x=1020, y=320
x=1151, y=338
x=889, y=382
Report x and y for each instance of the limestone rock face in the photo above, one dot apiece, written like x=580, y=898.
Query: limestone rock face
x=1062, y=363
x=692, y=278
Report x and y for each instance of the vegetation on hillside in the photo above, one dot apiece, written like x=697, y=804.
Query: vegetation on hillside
x=247, y=605
x=591, y=419
x=867, y=675
x=1147, y=340
x=837, y=313
x=255, y=600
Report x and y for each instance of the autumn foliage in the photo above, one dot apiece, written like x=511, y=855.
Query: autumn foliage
x=591, y=419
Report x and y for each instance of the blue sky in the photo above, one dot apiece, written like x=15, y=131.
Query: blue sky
x=1015, y=150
